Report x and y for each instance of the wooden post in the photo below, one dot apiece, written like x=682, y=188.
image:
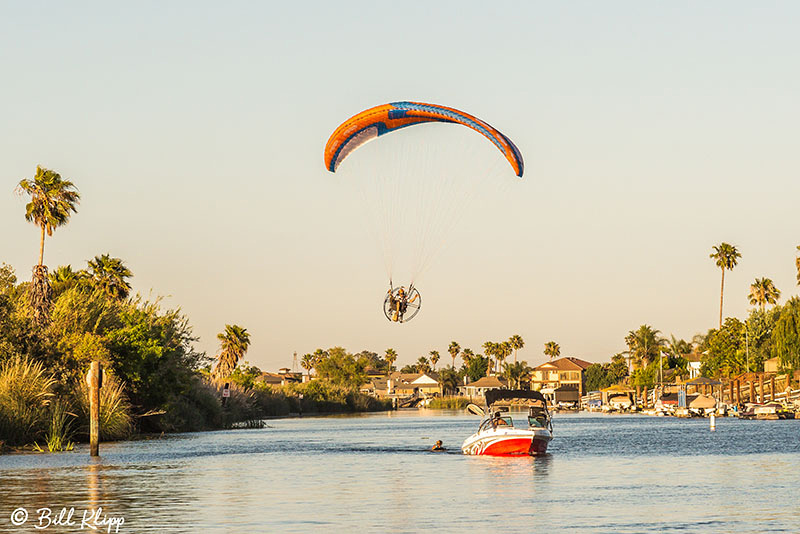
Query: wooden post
x=94, y=409
x=752, y=385
x=730, y=388
x=738, y=391
x=644, y=399
x=761, y=398
x=772, y=388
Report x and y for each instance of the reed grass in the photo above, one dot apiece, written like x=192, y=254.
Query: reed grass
x=449, y=403
x=26, y=390
x=116, y=421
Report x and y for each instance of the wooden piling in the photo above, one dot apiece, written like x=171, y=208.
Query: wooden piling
x=772, y=388
x=94, y=409
x=761, y=397
x=752, y=385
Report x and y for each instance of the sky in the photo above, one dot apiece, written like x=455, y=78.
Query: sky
x=195, y=131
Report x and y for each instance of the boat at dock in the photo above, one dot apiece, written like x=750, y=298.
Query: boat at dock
x=497, y=435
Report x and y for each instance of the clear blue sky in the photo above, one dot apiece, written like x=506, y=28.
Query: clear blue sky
x=651, y=131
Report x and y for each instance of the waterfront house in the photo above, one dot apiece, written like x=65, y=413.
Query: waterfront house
x=564, y=374
x=695, y=360
x=416, y=384
x=481, y=386
x=281, y=378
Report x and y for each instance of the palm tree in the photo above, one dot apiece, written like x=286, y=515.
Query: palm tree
x=434, y=358
x=726, y=258
x=644, y=344
x=552, y=349
x=422, y=365
x=109, y=274
x=64, y=278
x=390, y=357
x=52, y=202
x=516, y=343
x=307, y=363
x=467, y=355
x=516, y=372
x=234, y=342
x=504, y=350
x=454, y=349
x=763, y=292
x=490, y=350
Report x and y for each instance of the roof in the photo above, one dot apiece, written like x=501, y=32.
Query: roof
x=488, y=382
x=693, y=357
x=496, y=395
x=618, y=388
x=703, y=381
x=565, y=364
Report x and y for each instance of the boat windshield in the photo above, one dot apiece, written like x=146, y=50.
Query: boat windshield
x=496, y=422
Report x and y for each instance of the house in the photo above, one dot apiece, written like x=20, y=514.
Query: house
x=481, y=386
x=564, y=374
x=417, y=384
x=695, y=360
x=281, y=378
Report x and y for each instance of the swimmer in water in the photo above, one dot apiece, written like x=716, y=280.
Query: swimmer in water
x=438, y=446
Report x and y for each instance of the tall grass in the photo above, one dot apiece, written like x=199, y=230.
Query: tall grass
x=25, y=393
x=449, y=403
x=59, y=434
x=116, y=421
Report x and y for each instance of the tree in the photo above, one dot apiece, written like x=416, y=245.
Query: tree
x=516, y=373
x=454, y=349
x=644, y=345
x=448, y=379
x=109, y=274
x=725, y=257
x=477, y=367
x=53, y=200
x=552, y=349
x=504, y=350
x=434, y=358
x=726, y=352
x=307, y=363
x=516, y=342
x=390, y=357
x=763, y=292
x=490, y=350
x=422, y=365
x=341, y=368
x=467, y=356
x=234, y=342
x=786, y=335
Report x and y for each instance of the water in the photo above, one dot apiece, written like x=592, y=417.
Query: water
x=374, y=473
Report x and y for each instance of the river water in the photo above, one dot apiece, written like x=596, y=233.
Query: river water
x=374, y=473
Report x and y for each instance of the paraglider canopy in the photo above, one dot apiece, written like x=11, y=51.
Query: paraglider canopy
x=380, y=120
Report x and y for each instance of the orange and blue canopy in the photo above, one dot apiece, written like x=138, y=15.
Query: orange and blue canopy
x=374, y=122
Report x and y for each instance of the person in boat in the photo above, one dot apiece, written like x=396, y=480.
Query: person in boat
x=497, y=420
x=438, y=446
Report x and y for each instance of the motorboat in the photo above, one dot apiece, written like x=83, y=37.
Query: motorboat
x=497, y=435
